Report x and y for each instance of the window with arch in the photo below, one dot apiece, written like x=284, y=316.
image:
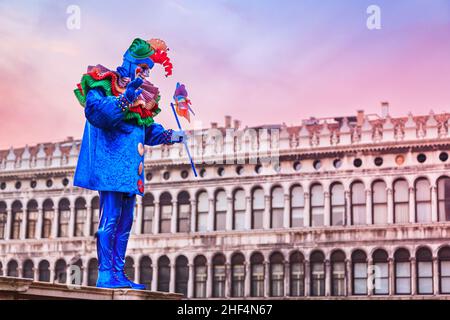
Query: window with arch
x=297, y=206
x=358, y=203
x=80, y=217
x=64, y=217
x=379, y=202
x=423, y=200
x=444, y=270
x=338, y=273
x=28, y=269
x=359, y=272
x=32, y=215
x=148, y=212
x=146, y=272
x=402, y=266
x=163, y=274
x=239, y=207
x=200, y=277
x=12, y=269
x=424, y=265
x=277, y=207
x=181, y=275
x=443, y=186
x=220, y=210
x=44, y=271
x=184, y=212
x=95, y=215
x=92, y=272
x=61, y=271
x=381, y=272
x=317, y=205
x=165, y=202
x=16, y=219
x=317, y=260
x=257, y=208
x=202, y=211
x=257, y=275
x=237, y=275
x=3, y=218
x=276, y=274
x=297, y=274
x=401, y=201
x=48, y=215
x=337, y=204
x=129, y=268
x=219, y=276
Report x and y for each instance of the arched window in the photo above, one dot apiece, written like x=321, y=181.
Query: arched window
x=218, y=276
x=401, y=201
x=202, y=211
x=163, y=274
x=80, y=217
x=92, y=272
x=148, y=207
x=3, y=218
x=317, y=205
x=181, y=275
x=16, y=219
x=317, y=273
x=337, y=204
x=257, y=275
x=297, y=206
x=129, y=268
x=276, y=275
x=48, y=215
x=239, y=207
x=76, y=272
x=12, y=269
x=184, y=212
x=237, y=275
x=277, y=202
x=297, y=274
x=402, y=272
x=200, y=277
x=424, y=265
x=381, y=272
x=32, y=215
x=61, y=271
x=444, y=198
x=95, y=215
x=146, y=272
x=28, y=269
x=359, y=272
x=165, y=202
x=379, y=202
x=358, y=203
x=220, y=210
x=338, y=273
x=257, y=208
x=64, y=217
x=44, y=271
x=444, y=270
x=423, y=200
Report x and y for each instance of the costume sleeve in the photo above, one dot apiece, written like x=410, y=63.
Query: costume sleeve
x=102, y=111
x=155, y=134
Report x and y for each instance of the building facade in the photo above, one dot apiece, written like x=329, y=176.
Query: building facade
x=340, y=207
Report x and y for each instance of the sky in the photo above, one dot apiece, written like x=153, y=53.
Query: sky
x=260, y=61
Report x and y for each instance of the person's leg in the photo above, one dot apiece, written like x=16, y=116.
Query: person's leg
x=110, y=212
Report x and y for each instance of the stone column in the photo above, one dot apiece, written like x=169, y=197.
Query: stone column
x=40, y=220
x=156, y=218
x=72, y=221
x=248, y=279
x=87, y=223
x=137, y=272
x=55, y=222
x=209, y=280
x=327, y=278
x=174, y=217
x=84, y=270
x=327, y=209
x=413, y=276
x=287, y=279
x=412, y=205
x=8, y=224
x=287, y=211
x=435, y=275
x=248, y=213
x=390, y=206
x=348, y=208
x=154, y=283
x=36, y=274
x=370, y=277
x=139, y=213
x=23, y=224
x=434, y=204
x=306, y=211
x=307, y=278
x=190, y=288
x=391, y=277
x=211, y=212
x=266, y=214
x=227, y=280
x=193, y=215
x=266, y=279
x=369, y=215
x=348, y=277
x=172, y=277
x=52, y=274
x=229, y=214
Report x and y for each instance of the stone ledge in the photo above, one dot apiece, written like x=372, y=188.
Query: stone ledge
x=26, y=289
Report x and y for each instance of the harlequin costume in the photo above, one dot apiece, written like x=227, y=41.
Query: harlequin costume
x=119, y=107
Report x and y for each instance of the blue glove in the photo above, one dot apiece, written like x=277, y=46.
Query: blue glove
x=179, y=136
x=132, y=91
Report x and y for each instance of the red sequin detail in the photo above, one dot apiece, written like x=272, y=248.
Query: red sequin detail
x=140, y=186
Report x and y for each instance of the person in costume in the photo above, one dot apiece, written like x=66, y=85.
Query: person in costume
x=120, y=107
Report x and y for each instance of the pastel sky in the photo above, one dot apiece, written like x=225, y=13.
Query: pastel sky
x=260, y=61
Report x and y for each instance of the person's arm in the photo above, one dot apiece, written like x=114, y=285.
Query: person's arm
x=155, y=134
x=101, y=111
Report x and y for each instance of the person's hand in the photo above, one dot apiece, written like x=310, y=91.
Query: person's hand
x=132, y=91
x=179, y=136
